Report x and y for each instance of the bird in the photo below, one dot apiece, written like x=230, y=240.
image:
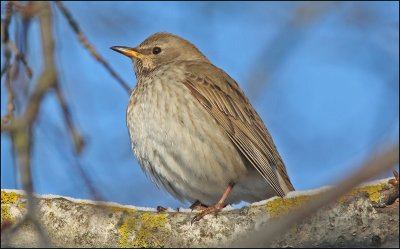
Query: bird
x=194, y=131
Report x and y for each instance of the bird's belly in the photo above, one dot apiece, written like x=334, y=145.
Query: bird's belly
x=180, y=145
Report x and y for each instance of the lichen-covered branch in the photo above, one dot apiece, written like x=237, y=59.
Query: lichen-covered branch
x=379, y=162
x=353, y=220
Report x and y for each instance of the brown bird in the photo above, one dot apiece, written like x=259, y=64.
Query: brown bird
x=195, y=132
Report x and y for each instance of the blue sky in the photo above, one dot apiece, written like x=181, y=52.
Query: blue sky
x=324, y=78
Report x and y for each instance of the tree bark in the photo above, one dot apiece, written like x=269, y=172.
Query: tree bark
x=359, y=219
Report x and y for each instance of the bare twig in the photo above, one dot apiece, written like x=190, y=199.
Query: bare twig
x=373, y=167
x=82, y=38
x=97, y=196
x=10, y=98
x=7, y=65
x=21, y=127
x=78, y=143
x=76, y=137
x=19, y=56
x=47, y=80
x=6, y=22
x=19, y=6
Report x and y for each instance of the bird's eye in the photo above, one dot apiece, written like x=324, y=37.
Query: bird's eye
x=156, y=50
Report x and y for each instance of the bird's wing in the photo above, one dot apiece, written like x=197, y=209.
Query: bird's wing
x=220, y=95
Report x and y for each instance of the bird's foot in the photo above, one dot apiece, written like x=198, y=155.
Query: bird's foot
x=197, y=205
x=161, y=209
x=216, y=208
x=395, y=180
x=390, y=194
x=209, y=210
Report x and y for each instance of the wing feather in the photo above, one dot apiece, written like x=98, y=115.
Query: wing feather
x=224, y=100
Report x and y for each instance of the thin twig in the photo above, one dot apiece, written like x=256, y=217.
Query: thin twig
x=6, y=22
x=97, y=196
x=77, y=140
x=48, y=80
x=10, y=99
x=82, y=38
x=266, y=234
x=7, y=65
x=19, y=56
x=76, y=137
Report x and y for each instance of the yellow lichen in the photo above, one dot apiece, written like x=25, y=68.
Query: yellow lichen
x=280, y=206
x=110, y=207
x=123, y=209
x=87, y=203
x=126, y=231
x=5, y=214
x=373, y=191
x=150, y=224
x=49, y=204
x=9, y=197
x=151, y=229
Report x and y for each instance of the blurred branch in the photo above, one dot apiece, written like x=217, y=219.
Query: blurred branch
x=291, y=34
x=82, y=38
x=76, y=137
x=10, y=97
x=265, y=235
x=21, y=127
x=47, y=81
x=5, y=23
x=11, y=49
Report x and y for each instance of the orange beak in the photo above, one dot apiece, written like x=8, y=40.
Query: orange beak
x=130, y=52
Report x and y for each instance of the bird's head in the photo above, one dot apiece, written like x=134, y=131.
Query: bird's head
x=160, y=49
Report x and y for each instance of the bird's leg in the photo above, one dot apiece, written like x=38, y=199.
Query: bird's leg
x=197, y=205
x=217, y=207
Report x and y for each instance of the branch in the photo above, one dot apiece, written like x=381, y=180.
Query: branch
x=20, y=128
x=20, y=56
x=5, y=23
x=376, y=165
x=353, y=221
x=76, y=137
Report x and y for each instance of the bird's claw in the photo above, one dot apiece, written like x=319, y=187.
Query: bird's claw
x=214, y=209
